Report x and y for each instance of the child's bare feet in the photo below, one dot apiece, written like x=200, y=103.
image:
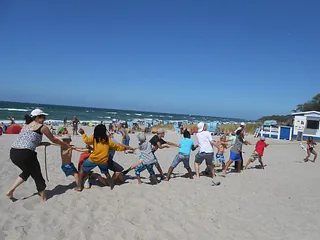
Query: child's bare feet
x=166, y=179
x=139, y=180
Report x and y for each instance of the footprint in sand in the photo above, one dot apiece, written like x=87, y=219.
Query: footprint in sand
x=29, y=206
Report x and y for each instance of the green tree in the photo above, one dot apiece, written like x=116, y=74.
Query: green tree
x=312, y=105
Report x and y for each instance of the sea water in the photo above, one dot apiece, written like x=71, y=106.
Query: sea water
x=87, y=114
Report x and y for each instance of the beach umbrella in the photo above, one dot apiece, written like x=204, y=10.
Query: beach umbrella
x=13, y=129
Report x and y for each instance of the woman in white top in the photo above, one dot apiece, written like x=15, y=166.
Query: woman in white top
x=23, y=152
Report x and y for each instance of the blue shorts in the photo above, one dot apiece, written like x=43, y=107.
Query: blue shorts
x=220, y=158
x=141, y=167
x=88, y=166
x=126, y=142
x=69, y=169
x=235, y=156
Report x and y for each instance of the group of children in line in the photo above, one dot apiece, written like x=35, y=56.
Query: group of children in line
x=104, y=147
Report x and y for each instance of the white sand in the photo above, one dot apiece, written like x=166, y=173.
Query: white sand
x=280, y=202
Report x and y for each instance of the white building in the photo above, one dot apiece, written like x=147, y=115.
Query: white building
x=306, y=124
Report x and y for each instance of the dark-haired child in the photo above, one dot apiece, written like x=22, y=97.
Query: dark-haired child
x=186, y=145
x=100, y=155
x=310, y=149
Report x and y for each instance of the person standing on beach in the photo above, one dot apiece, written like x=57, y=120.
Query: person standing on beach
x=147, y=159
x=205, y=153
x=100, y=156
x=75, y=123
x=11, y=118
x=23, y=151
x=186, y=145
x=310, y=150
x=125, y=135
x=235, y=152
x=158, y=142
x=241, y=128
x=258, y=152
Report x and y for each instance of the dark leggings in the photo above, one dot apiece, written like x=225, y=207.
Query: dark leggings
x=27, y=161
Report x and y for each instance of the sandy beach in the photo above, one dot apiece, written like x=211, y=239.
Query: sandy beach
x=280, y=202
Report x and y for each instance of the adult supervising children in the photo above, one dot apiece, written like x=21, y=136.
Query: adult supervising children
x=23, y=152
x=205, y=153
x=235, y=152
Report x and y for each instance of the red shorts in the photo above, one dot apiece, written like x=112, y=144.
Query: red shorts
x=82, y=159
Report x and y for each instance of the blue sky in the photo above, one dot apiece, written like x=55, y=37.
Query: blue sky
x=222, y=58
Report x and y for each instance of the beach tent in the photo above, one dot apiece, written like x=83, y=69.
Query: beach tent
x=13, y=129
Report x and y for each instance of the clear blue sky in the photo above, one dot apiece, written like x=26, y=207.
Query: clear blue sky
x=221, y=58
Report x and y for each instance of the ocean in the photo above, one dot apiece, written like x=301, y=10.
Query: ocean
x=88, y=114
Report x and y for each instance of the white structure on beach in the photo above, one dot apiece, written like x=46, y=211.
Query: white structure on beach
x=306, y=124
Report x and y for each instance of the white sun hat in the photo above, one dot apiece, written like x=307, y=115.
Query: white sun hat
x=38, y=112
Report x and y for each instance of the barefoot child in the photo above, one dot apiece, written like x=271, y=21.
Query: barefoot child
x=221, y=145
x=99, y=157
x=66, y=156
x=310, y=149
x=258, y=152
x=148, y=159
x=186, y=145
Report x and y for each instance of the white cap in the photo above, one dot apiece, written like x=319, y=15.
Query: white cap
x=200, y=126
x=38, y=112
x=262, y=138
x=242, y=124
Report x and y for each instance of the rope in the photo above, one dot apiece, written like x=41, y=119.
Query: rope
x=45, y=162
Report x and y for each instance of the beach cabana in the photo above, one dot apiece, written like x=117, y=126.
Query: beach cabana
x=271, y=129
x=306, y=124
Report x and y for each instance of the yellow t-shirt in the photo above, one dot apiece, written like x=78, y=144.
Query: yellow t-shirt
x=100, y=152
